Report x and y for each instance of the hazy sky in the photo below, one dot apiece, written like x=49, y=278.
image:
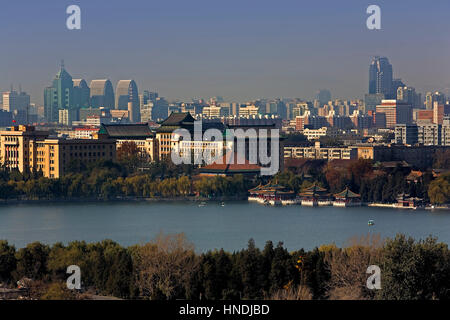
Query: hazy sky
x=236, y=49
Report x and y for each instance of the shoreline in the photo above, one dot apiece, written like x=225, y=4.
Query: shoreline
x=191, y=199
x=122, y=199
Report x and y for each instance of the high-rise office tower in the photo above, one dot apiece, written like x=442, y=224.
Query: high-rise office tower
x=18, y=105
x=160, y=109
x=59, y=95
x=323, y=96
x=102, y=94
x=439, y=112
x=13, y=100
x=127, y=92
x=147, y=96
x=380, y=77
x=81, y=93
x=408, y=95
x=396, y=83
x=433, y=97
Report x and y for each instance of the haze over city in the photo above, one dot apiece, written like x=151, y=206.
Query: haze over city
x=237, y=50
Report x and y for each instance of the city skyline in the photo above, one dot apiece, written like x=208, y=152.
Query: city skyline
x=238, y=52
x=313, y=96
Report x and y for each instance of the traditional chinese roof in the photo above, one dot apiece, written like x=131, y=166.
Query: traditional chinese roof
x=232, y=167
x=414, y=175
x=184, y=120
x=178, y=119
x=392, y=164
x=126, y=131
x=314, y=191
x=347, y=194
x=271, y=189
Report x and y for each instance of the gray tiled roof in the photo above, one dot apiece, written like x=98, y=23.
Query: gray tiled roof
x=127, y=131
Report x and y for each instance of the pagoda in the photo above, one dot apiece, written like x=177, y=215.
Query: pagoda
x=315, y=196
x=347, y=198
x=273, y=194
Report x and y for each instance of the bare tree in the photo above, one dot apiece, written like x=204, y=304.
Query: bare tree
x=348, y=267
x=165, y=266
x=301, y=292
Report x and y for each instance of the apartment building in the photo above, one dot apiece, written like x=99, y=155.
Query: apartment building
x=395, y=113
x=23, y=148
x=320, y=153
x=315, y=134
x=427, y=134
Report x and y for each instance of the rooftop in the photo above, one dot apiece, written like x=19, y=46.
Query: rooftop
x=231, y=167
x=126, y=131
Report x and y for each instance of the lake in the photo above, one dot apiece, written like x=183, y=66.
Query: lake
x=212, y=226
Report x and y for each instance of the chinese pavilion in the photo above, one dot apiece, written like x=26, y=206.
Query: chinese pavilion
x=273, y=194
x=315, y=196
x=347, y=198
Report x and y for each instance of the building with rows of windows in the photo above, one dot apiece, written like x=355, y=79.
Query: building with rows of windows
x=25, y=149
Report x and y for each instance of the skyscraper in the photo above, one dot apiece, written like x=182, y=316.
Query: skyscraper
x=147, y=96
x=127, y=92
x=147, y=101
x=13, y=100
x=408, y=95
x=17, y=104
x=433, y=97
x=81, y=93
x=380, y=77
x=59, y=95
x=323, y=96
x=102, y=94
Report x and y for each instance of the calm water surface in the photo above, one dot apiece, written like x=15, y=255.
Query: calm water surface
x=229, y=227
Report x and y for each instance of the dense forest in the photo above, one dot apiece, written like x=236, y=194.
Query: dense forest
x=168, y=268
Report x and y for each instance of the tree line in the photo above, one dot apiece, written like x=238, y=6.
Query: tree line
x=382, y=185
x=168, y=268
x=106, y=180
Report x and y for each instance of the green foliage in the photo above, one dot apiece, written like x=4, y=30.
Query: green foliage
x=415, y=270
x=7, y=260
x=222, y=186
x=58, y=291
x=439, y=190
x=168, y=268
x=32, y=261
x=442, y=159
x=105, y=180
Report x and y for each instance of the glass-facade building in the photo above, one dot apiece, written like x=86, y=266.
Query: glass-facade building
x=59, y=95
x=381, y=77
